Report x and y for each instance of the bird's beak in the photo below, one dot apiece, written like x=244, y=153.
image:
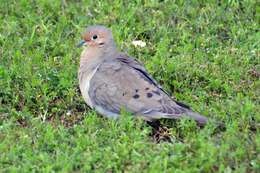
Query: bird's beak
x=81, y=43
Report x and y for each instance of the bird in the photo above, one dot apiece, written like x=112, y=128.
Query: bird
x=110, y=81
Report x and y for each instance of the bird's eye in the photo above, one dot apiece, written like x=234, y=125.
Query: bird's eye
x=94, y=37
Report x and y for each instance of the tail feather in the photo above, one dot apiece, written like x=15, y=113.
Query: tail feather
x=196, y=116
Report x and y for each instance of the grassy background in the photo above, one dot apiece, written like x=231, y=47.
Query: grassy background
x=206, y=53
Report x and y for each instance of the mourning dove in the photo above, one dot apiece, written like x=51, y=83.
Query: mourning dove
x=110, y=81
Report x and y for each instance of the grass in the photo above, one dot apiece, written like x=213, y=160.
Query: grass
x=206, y=54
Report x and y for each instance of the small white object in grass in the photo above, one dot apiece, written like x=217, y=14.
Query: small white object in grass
x=69, y=113
x=139, y=43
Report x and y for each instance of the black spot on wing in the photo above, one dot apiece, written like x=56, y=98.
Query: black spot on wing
x=136, y=96
x=149, y=95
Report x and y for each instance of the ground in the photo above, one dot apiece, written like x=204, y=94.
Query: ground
x=205, y=53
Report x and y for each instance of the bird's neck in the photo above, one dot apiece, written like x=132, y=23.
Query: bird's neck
x=92, y=57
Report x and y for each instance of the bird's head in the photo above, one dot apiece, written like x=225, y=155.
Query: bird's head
x=97, y=37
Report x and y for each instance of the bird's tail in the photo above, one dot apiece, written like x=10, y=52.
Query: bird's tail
x=197, y=117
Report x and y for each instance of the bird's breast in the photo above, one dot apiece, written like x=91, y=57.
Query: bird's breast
x=84, y=84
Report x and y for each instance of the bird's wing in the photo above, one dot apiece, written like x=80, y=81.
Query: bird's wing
x=139, y=67
x=124, y=83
